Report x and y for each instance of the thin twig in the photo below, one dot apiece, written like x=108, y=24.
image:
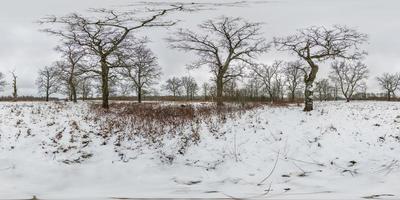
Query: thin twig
x=272, y=171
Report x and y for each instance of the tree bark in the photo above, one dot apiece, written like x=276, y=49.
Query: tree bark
x=139, y=94
x=220, y=88
x=73, y=93
x=47, y=95
x=309, y=90
x=293, y=96
x=104, y=83
x=308, y=96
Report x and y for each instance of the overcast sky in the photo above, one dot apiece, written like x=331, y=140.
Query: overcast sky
x=24, y=49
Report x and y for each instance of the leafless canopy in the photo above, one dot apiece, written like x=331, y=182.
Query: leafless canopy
x=390, y=83
x=71, y=66
x=267, y=74
x=294, y=73
x=323, y=88
x=141, y=68
x=174, y=86
x=102, y=31
x=349, y=76
x=226, y=46
x=316, y=44
x=190, y=86
x=48, y=81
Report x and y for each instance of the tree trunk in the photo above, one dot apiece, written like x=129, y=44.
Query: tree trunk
x=70, y=93
x=388, y=96
x=308, y=96
x=104, y=84
x=309, y=90
x=139, y=94
x=73, y=93
x=47, y=95
x=220, y=88
x=293, y=96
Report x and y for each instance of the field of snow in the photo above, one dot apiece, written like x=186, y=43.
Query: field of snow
x=338, y=151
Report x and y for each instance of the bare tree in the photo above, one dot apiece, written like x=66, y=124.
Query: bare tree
x=227, y=45
x=3, y=83
x=231, y=87
x=278, y=87
x=14, y=85
x=293, y=73
x=267, y=74
x=206, y=90
x=190, y=86
x=48, y=81
x=85, y=87
x=317, y=44
x=390, y=83
x=73, y=54
x=323, y=88
x=363, y=90
x=253, y=86
x=174, y=86
x=141, y=69
x=103, y=33
x=349, y=76
x=335, y=90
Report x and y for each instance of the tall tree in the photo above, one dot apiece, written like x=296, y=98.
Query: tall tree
x=85, y=87
x=174, y=86
x=349, y=76
x=323, y=88
x=293, y=73
x=226, y=46
x=390, y=83
x=48, y=81
x=102, y=34
x=206, y=90
x=267, y=74
x=253, y=86
x=190, y=86
x=141, y=69
x=73, y=54
x=317, y=44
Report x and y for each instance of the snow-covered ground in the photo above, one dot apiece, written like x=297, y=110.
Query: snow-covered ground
x=339, y=151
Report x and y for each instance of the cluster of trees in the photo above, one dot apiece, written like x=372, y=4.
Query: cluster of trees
x=185, y=85
x=102, y=54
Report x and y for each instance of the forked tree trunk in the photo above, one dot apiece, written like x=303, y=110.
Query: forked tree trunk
x=348, y=98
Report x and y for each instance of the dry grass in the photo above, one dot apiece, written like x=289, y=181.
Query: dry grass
x=155, y=122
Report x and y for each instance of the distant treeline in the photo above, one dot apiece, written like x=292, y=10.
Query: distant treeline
x=235, y=98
